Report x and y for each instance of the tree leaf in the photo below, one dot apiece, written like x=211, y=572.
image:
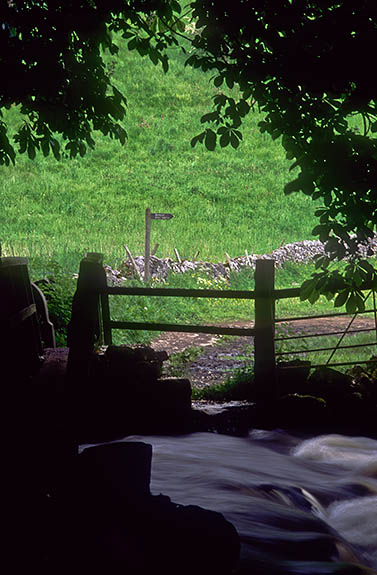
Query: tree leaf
x=306, y=289
x=199, y=138
x=341, y=298
x=314, y=296
x=210, y=117
x=291, y=187
x=210, y=139
x=132, y=43
x=45, y=145
x=224, y=139
x=31, y=149
x=229, y=82
x=352, y=303
x=234, y=141
x=243, y=108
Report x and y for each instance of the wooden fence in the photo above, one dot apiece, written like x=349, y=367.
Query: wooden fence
x=91, y=319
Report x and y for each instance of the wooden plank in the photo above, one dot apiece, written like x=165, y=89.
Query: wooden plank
x=46, y=327
x=229, y=261
x=179, y=292
x=23, y=314
x=318, y=365
x=177, y=256
x=232, y=294
x=322, y=334
x=294, y=351
x=304, y=317
x=286, y=293
x=217, y=330
x=264, y=345
x=12, y=261
x=107, y=336
x=133, y=263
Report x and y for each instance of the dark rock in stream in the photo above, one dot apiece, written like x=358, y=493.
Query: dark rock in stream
x=230, y=418
x=122, y=528
x=331, y=385
x=292, y=376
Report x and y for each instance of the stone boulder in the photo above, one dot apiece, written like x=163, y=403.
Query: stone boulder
x=125, y=394
x=141, y=363
x=121, y=528
x=333, y=386
x=292, y=376
x=296, y=410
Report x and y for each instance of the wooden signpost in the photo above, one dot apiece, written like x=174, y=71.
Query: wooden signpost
x=149, y=216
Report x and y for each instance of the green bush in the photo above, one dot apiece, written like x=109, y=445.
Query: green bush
x=58, y=288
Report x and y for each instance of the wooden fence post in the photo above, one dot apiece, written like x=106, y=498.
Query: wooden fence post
x=264, y=346
x=84, y=329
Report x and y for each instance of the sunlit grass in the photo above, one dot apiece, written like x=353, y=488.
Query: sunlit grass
x=222, y=201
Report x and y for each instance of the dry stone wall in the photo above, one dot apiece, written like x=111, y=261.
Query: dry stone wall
x=297, y=252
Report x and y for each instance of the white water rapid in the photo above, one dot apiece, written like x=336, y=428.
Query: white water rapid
x=300, y=506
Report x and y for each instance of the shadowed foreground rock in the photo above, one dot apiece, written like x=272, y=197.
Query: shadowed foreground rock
x=124, y=394
x=122, y=528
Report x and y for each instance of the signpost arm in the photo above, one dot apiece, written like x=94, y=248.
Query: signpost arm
x=147, y=251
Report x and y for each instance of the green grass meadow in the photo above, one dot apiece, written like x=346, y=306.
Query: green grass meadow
x=222, y=201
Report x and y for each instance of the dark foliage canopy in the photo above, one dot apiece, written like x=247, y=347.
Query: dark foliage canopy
x=306, y=64
x=51, y=65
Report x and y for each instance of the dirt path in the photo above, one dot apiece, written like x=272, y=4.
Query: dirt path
x=220, y=357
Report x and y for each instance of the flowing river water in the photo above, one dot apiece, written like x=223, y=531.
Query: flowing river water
x=303, y=506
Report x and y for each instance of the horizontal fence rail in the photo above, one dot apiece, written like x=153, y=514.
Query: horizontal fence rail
x=323, y=334
x=339, y=364
x=324, y=315
x=207, y=293
x=297, y=351
x=216, y=330
x=177, y=292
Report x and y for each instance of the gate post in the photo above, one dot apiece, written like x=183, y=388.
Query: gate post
x=84, y=329
x=264, y=345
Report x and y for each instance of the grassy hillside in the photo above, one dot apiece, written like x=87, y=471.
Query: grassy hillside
x=227, y=200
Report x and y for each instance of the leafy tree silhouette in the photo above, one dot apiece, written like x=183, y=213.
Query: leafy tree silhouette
x=52, y=67
x=306, y=65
